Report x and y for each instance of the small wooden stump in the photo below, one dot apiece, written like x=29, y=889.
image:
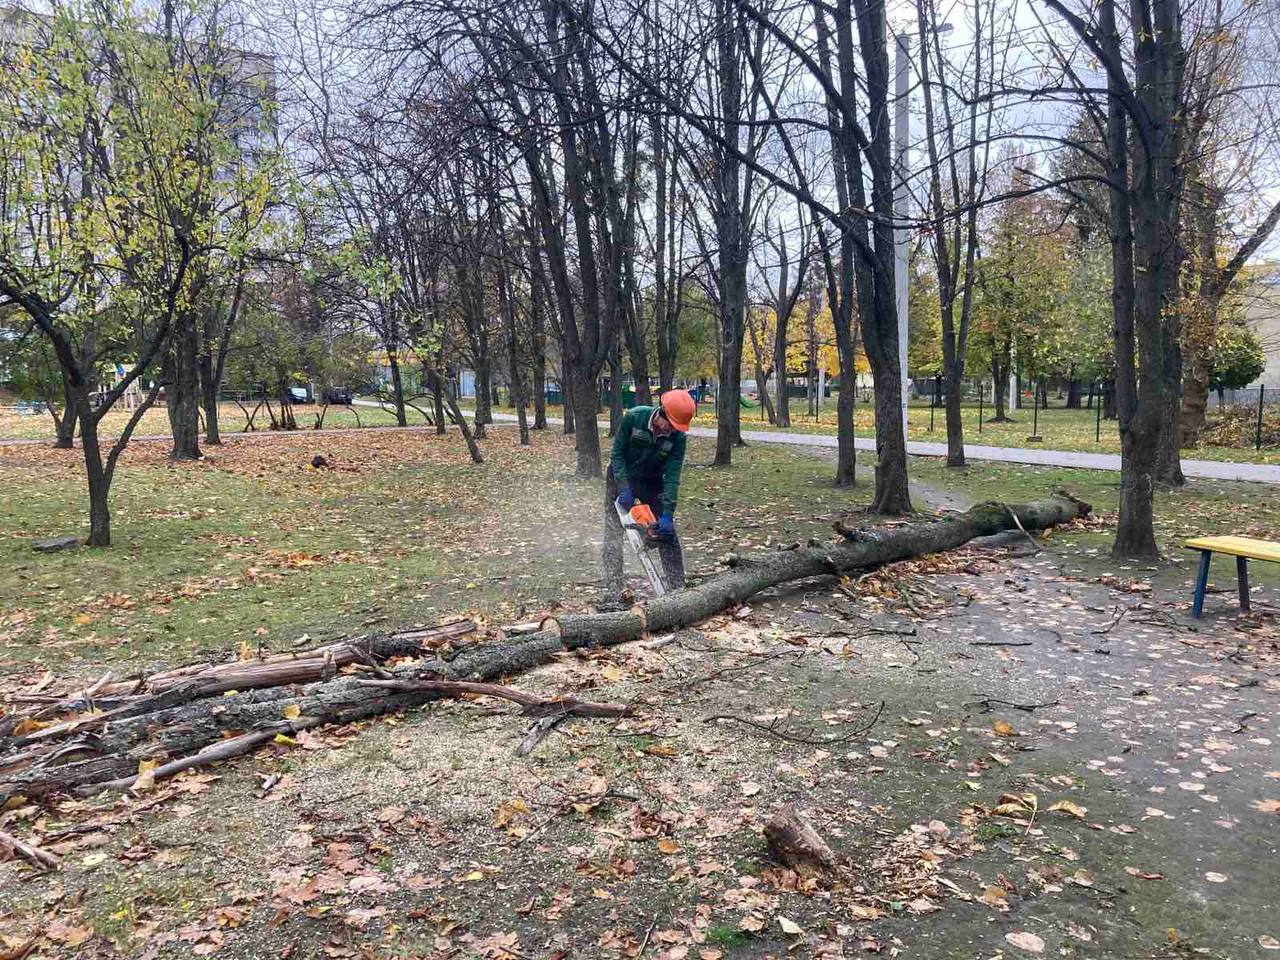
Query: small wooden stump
x=794, y=841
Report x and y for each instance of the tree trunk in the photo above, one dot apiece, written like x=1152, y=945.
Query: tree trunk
x=484, y=414
x=437, y=402
x=586, y=404
x=1169, y=458
x=566, y=394
x=1195, y=401
x=182, y=392
x=209, y=400
x=639, y=356
x=170, y=731
x=540, y=382
x=615, y=390
x=538, y=325
x=1000, y=388
x=64, y=425
x=728, y=397
x=99, y=480
x=513, y=359
x=1073, y=393
x=762, y=391
x=782, y=406
x=397, y=388
x=955, y=425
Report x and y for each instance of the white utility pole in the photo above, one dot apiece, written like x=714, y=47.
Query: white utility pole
x=901, y=132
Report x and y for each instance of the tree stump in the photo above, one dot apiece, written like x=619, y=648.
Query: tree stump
x=794, y=841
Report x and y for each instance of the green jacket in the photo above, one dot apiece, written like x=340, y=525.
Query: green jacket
x=641, y=458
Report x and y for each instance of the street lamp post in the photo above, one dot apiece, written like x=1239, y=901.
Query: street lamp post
x=901, y=199
x=901, y=245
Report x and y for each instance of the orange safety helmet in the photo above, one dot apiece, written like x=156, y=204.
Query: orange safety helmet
x=678, y=407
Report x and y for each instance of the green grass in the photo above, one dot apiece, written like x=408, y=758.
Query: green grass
x=994, y=830
x=252, y=548
x=730, y=938
x=232, y=419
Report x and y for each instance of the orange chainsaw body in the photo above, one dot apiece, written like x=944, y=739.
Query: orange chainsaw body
x=642, y=515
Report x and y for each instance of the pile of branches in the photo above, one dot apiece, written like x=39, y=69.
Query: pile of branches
x=99, y=737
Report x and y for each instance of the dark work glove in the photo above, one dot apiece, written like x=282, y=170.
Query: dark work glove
x=626, y=499
x=667, y=526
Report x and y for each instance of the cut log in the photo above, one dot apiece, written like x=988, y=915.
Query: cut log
x=794, y=841
x=165, y=730
x=171, y=687
x=303, y=666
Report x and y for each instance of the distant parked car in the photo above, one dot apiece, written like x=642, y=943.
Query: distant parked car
x=299, y=395
x=339, y=395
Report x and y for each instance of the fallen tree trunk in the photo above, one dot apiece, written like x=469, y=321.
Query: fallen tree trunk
x=117, y=746
x=113, y=702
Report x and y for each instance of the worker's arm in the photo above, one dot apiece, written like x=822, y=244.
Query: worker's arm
x=618, y=458
x=671, y=475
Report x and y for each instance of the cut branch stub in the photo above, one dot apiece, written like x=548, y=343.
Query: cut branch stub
x=794, y=841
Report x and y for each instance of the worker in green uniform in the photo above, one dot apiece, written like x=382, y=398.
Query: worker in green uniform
x=648, y=453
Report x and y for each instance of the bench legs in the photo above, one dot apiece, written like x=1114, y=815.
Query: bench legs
x=1202, y=583
x=1242, y=582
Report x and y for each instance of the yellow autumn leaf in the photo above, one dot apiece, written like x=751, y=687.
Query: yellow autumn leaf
x=285, y=740
x=1002, y=728
x=1066, y=806
x=83, y=619
x=27, y=725
x=668, y=846
x=1015, y=805
x=292, y=712
x=146, y=776
x=474, y=876
x=611, y=672
x=789, y=927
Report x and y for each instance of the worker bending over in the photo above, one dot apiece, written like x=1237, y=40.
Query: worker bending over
x=648, y=452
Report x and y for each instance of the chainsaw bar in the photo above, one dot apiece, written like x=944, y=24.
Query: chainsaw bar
x=634, y=535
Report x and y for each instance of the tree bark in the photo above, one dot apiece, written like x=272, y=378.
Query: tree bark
x=782, y=405
x=586, y=404
x=397, y=387
x=182, y=392
x=1073, y=393
x=64, y=425
x=209, y=400
x=570, y=426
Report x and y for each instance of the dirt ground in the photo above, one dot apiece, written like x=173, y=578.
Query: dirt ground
x=1012, y=750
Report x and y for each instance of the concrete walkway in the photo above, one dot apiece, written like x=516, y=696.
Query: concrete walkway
x=1197, y=469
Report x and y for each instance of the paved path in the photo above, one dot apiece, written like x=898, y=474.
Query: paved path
x=1199, y=469
x=1202, y=469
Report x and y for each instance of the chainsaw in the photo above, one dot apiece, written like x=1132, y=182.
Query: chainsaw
x=640, y=527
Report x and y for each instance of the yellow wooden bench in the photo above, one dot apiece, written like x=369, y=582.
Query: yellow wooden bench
x=1243, y=549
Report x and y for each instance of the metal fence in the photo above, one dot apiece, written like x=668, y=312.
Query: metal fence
x=1259, y=403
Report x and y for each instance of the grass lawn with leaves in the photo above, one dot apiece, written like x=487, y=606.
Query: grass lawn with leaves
x=1012, y=753
x=253, y=547
x=232, y=419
